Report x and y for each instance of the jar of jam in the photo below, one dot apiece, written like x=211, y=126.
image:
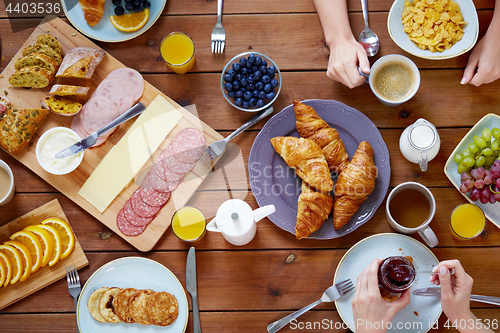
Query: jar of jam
x=396, y=274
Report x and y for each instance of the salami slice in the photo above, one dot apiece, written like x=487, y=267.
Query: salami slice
x=133, y=77
x=153, y=181
x=126, y=228
x=166, y=174
x=173, y=185
x=96, y=113
x=188, y=144
x=141, y=208
x=173, y=164
x=153, y=198
x=133, y=218
x=118, y=91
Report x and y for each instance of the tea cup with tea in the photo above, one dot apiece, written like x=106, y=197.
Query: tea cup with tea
x=409, y=209
x=6, y=183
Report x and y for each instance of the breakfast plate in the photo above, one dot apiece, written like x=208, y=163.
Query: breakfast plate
x=274, y=183
x=132, y=272
x=422, y=312
x=104, y=30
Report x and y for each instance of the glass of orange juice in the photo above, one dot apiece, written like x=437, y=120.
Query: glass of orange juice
x=467, y=221
x=177, y=49
x=189, y=224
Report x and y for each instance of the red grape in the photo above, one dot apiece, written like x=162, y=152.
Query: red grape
x=465, y=175
x=466, y=186
x=473, y=174
x=481, y=173
x=498, y=182
x=485, y=195
x=492, y=198
x=495, y=171
x=479, y=183
x=474, y=194
x=497, y=196
x=497, y=163
x=488, y=180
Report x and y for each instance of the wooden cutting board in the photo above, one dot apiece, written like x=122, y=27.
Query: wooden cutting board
x=45, y=275
x=71, y=183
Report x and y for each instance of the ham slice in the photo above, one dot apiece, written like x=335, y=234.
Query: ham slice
x=131, y=76
x=117, y=91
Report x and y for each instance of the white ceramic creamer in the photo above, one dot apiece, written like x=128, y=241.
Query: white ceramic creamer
x=237, y=221
x=420, y=143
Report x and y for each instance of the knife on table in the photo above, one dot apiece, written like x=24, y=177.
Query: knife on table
x=92, y=138
x=191, y=288
x=436, y=292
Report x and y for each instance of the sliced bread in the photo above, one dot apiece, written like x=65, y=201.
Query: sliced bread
x=50, y=41
x=31, y=77
x=80, y=62
x=36, y=59
x=45, y=49
x=61, y=106
x=67, y=90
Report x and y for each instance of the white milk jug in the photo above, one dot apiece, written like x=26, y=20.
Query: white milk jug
x=237, y=221
x=420, y=143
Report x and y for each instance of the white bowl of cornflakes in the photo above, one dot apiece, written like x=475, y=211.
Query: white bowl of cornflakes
x=434, y=29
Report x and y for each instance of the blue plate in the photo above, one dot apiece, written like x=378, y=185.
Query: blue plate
x=104, y=30
x=132, y=272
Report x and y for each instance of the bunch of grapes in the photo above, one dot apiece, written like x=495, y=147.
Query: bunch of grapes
x=484, y=184
x=482, y=152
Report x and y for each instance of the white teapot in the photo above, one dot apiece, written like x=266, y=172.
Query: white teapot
x=237, y=221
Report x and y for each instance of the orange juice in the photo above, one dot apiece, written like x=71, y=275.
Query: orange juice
x=467, y=222
x=177, y=49
x=188, y=223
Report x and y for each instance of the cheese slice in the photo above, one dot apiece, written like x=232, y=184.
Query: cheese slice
x=128, y=156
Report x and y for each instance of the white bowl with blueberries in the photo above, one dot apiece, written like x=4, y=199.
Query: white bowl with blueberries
x=251, y=81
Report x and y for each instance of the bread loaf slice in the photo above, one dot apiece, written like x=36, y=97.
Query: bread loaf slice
x=67, y=90
x=50, y=41
x=80, y=62
x=45, y=49
x=36, y=59
x=31, y=77
x=61, y=106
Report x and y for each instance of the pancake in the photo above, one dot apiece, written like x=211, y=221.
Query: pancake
x=162, y=309
x=106, y=305
x=137, y=306
x=121, y=302
x=93, y=304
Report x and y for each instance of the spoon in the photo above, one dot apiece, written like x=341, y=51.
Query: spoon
x=368, y=38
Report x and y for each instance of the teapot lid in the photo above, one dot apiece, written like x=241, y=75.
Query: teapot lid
x=234, y=217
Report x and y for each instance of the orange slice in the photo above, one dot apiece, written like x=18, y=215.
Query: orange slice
x=46, y=241
x=56, y=240
x=130, y=22
x=3, y=273
x=25, y=257
x=66, y=234
x=8, y=273
x=30, y=240
x=15, y=260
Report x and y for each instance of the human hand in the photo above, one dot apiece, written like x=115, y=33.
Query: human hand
x=346, y=55
x=486, y=57
x=455, y=289
x=369, y=308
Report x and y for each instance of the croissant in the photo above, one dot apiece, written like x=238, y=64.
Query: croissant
x=354, y=185
x=313, y=209
x=307, y=158
x=93, y=10
x=311, y=126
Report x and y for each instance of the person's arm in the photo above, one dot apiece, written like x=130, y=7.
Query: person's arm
x=346, y=54
x=455, y=296
x=370, y=310
x=486, y=55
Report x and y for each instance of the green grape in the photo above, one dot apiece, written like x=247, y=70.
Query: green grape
x=480, y=142
x=467, y=153
x=486, y=134
x=468, y=162
x=487, y=152
x=480, y=160
x=458, y=158
x=473, y=148
x=461, y=168
x=495, y=132
x=495, y=145
x=489, y=160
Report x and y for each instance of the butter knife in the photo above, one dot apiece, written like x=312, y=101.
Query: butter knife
x=436, y=292
x=191, y=288
x=92, y=139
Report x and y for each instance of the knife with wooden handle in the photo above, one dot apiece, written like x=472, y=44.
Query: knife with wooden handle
x=191, y=288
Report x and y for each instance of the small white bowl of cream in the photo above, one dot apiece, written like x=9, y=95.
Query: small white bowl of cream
x=53, y=141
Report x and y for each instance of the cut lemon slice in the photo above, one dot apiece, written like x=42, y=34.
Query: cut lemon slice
x=8, y=267
x=65, y=233
x=15, y=260
x=130, y=22
x=46, y=241
x=56, y=240
x=31, y=241
x=25, y=257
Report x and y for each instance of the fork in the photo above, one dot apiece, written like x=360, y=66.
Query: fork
x=215, y=149
x=73, y=284
x=218, y=32
x=331, y=294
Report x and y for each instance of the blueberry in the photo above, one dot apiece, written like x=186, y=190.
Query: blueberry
x=238, y=76
x=146, y=4
x=228, y=86
x=251, y=58
x=249, y=65
x=255, y=93
x=243, y=62
x=271, y=75
x=238, y=101
x=257, y=75
x=136, y=3
x=264, y=62
x=128, y=0
x=251, y=86
x=243, y=82
x=260, y=103
x=238, y=93
x=247, y=95
x=246, y=105
x=231, y=72
x=137, y=8
x=271, y=69
x=274, y=83
x=228, y=77
x=254, y=68
x=129, y=6
x=262, y=94
x=236, y=84
x=259, y=86
x=268, y=88
x=253, y=101
x=263, y=70
x=231, y=94
x=236, y=67
x=119, y=10
x=258, y=61
x=270, y=96
x=243, y=90
x=265, y=79
x=251, y=78
x=244, y=70
x=117, y=2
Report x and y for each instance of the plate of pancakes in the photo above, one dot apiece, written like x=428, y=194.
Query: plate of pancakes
x=131, y=294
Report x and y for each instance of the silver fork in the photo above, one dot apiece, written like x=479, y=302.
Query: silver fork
x=215, y=149
x=73, y=284
x=331, y=294
x=218, y=32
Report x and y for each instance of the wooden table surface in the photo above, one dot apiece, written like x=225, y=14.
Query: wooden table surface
x=243, y=289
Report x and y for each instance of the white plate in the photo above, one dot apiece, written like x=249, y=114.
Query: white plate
x=471, y=32
x=492, y=211
x=104, y=30
x=382, y=246
x=132, y=272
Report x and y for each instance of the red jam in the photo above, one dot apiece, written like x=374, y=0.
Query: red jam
x=396, y=274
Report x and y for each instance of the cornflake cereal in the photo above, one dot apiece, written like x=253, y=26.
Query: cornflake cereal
x=433, y=24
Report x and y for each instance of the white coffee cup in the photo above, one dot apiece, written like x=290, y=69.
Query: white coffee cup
x=423, y=230
x=10, y=193
x=396, y=58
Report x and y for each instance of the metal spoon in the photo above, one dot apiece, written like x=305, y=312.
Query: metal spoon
x=368, y=38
